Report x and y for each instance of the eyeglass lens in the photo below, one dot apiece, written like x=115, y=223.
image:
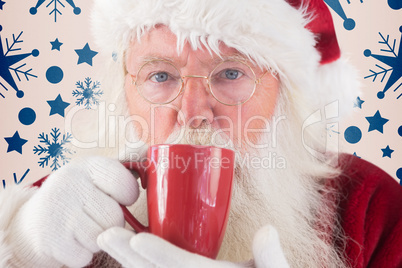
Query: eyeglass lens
x=231, y=82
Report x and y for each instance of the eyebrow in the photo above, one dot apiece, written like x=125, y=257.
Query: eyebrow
x=238, y=57
x=149, y=58
x=215, y=61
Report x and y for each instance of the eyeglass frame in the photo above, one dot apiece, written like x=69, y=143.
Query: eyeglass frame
x=256, y=82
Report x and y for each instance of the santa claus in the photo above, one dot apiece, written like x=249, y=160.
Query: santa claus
x=247, y=75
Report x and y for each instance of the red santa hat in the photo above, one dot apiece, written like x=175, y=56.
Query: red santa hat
x=295, y=38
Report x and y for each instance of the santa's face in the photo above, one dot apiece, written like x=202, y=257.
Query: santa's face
x=195, y=106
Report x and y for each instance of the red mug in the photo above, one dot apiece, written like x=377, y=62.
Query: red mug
x=189, y=190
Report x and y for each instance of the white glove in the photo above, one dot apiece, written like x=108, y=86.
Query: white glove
x=267, y=249
x=59, y=225
x=147, y=250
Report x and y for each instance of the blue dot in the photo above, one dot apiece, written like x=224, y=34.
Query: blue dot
x=399, y=174
x=367, y=53
x=380, y=95
x=35, y=52
x=400, y=131
x=353, y=134
x=395, y=4
x=349, y=24
x=20, y=94
x=77, y=10
x=1, y=28
x=27, y=116
x=54, y=74
x=33, y=10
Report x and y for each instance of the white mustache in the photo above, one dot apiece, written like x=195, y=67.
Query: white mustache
x=203, y=135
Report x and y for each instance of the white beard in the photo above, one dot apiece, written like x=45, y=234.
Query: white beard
x=289, y=201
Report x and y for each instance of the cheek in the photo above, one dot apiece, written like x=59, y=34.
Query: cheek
x=153, y=123
x=257, y=113
x=163, y=124
x=136, y=104
x=246, y=123
x=137, y=109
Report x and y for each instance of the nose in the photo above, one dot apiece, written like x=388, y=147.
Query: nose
x=196, y=103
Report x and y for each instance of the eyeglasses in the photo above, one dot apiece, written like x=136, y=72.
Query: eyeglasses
x=231, y=82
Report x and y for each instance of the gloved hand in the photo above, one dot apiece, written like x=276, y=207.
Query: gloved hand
x=147, y=250
x=59, y=225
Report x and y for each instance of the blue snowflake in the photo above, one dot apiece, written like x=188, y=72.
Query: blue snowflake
x=394, y=62
x=7, y=61
x=87, y=93
x=54, y=149
x=17, y=181
x=332, y=129
x=361, y=1
x=56, y=7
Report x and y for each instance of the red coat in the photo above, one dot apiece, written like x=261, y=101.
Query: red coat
x=370, y=212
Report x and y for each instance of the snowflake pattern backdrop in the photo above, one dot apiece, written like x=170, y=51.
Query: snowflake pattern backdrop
x=49, y=65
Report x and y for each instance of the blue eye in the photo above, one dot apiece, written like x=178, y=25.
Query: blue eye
x=160, y=77
x=231, y=74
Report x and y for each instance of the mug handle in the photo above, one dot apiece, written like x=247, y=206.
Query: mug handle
x=138, y=167
x=130, y=219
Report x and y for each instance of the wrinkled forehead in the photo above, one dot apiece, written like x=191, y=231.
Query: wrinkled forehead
x=160, y=42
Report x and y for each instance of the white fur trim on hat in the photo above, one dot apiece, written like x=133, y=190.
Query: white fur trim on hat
x=272, y=33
